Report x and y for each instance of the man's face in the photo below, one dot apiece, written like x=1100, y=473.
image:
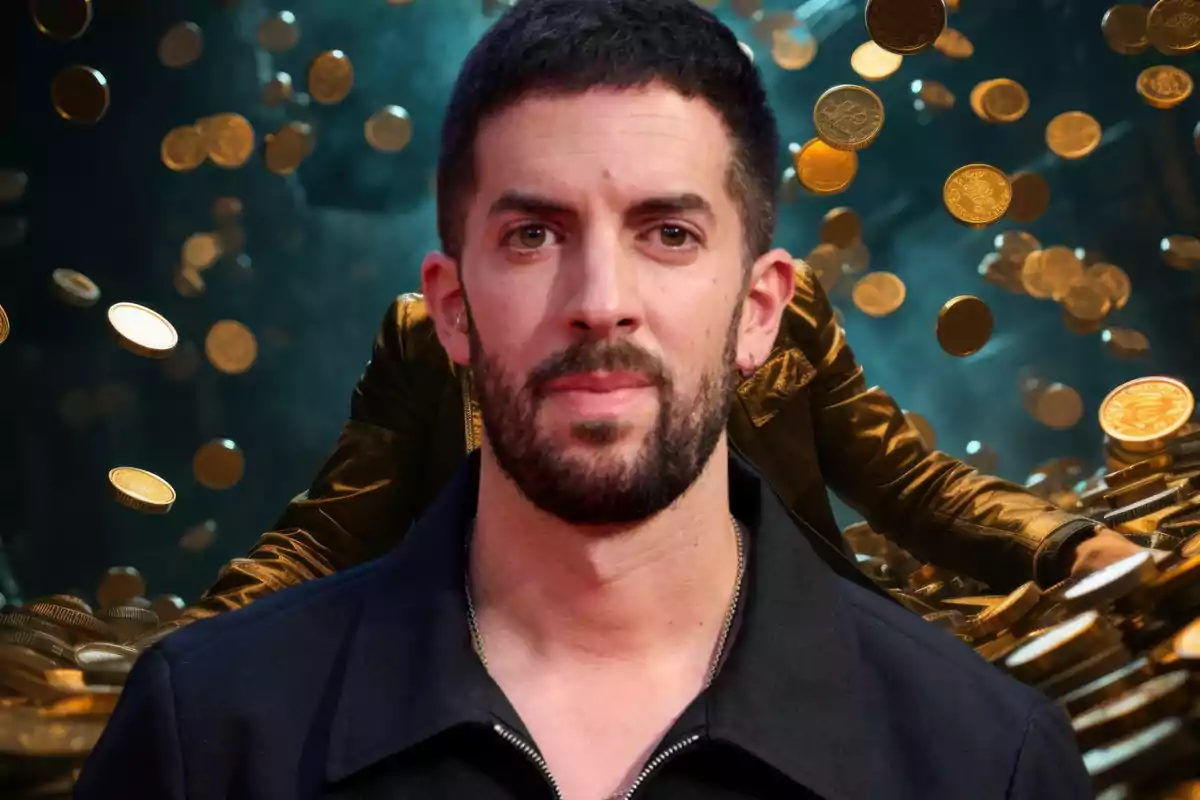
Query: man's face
x=603, y=267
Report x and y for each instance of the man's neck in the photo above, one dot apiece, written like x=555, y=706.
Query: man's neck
x=602, y=595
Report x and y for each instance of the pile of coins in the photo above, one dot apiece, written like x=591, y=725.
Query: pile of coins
x=62, y=666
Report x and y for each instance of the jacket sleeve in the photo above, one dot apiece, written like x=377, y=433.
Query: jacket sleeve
x=138, y=754
x=363, y=495
x=1049, y=764
x=929, y=503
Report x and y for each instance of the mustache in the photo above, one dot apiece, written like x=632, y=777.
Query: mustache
x=596, y=356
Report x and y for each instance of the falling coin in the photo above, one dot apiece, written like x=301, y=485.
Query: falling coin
x=1124, y=28
x=75, y=288
x=1180, y=252
x=841, y=228
x=1087, y=302
x=199, y=538
x=1173, y=26
x=229, y=139
x=1060, y=269
x=200, y=251
x=183, y=148
x=793, y=49
x=181, y=45
x=288, y=147
x=903, y=26
x=1059, y=407
x=1146, y=410
x=823, y=170
x=62, y=19
x=1004, y=100
x=141, y=490
x=953, y=44
x=80, y=94
x=279, y=33
x=330, y=77
x=5, y=326
x=977, y=195
x=873, y=63
x=848, y=117
x=119, y=585
x=231, y=347
x=879, y=294
x=1164, y=86
x=389, y=129
x=142, y=331
x=931, y=94
x=278, y=90
x=1114, y=280
x=1125, y=343
x=168, y=607
x=219, y=464
x=1072, y=135
x=1030, y=196
x=964, y=325
x=826, y=263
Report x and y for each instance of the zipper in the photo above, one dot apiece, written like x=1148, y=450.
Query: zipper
x=530, y=752
x=657, y=762
x=468, y=417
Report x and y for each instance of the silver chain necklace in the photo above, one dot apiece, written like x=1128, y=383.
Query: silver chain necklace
x=477, y=639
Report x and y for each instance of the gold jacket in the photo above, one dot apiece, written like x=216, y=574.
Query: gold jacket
x=806, y=419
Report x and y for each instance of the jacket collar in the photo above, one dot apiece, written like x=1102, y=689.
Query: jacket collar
x=788, y=692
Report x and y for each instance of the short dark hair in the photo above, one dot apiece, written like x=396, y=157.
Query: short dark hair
x=571, y=46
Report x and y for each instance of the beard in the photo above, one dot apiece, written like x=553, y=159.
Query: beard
x=604, y=490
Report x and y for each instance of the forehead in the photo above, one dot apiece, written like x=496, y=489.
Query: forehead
x=629, y=140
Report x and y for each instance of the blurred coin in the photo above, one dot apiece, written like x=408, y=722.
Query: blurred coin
x=904, y=26
x=873, y=63
x=1015, y=244
x=1004, y=100
x=1164, y=86
x=181, y=45
x=1087, y=300
x=200, y=251
x=279, y=33
x=977, y=194
x=1124, y=28
x=75, y=288
x=1059, y=406
x=1146, y=410
x=1125, y=343
x=788, y=185
x=964, y=325
x=1114, y=280
x=793, y=49
x=1034, y=277
x=746, y=8
x=218, y=464
x=1173, y=26
x=823, y=170
x=188, y=282
x=1180, y=252
x=933, y=94
x=826, y=263
x=168, y=607
x=12, y=185
x=141, y=490
x=983, y=458
x=5, y=327
x=389, y=129
x=976, y=98
x=1073, y=134
x=855, y=258
x=1031, y=196
x=1060, y=269
x=80, y=94
x=142, y=331
x=231, y=347
x=1002, y=272
x=953, y=44
x=229, y=139
x=199, y=537
x=330, y=77
x=278, y=90
x=183, y=148
x=848, y=117
x=226, y=208
x=769, y=23
x=118, y=585
x=923, y=428
x=1080, y=327
x=288, y=147
x=841, y=227
x=879, y=294
x=61, y=19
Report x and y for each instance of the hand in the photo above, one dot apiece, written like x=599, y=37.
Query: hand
x=1105, y=547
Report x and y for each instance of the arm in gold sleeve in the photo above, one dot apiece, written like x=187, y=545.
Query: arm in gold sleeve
x=368, y=491
x=929, y=503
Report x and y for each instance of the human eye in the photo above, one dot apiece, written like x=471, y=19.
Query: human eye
x=529, y=237
x=673, y=236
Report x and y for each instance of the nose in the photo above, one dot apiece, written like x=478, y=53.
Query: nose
x=604, y=300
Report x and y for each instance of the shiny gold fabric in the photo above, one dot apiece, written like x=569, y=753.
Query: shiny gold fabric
x=806, y=418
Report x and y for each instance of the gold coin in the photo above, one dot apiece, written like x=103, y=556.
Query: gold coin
x=793, y=49
x=119, y=585
x=1125, y=343
x=1030, y=196
x=825, y=261
x=278, y=90
x=873, y=63
x=823, y=170
x=1059, y=407
x=1173, y=26
x=1033, y=277
x=142, y=331
x=932, y=94
x=75, y=288
x=225, y=208
x=953, y=44
x=200, y=251
x=964, y=325
x=218, y=464
x=1003, y=272
x=62, y=19
x=330, y=77
x=1073, y=134
x=848, y=117
x=188, y=282
x=1164, y=86
x=905, y=26
x=183, y=148
x=1060, y=269
x=841, y=228
x=287, y=148
x=1114, y=280
x=389, y=130
x=279, y=33
x=1087, y=301
x=229, y=139
x=1004, y=100
x=1124, y=28
x=181, y=45
x=977, y=194
x=199, y=538
x=80, y=94
x=141, y=490
x=5, y=326
x=231, y=347
x=1146, y=410
x=168, y=607
x=769, y=23
x=1180, y=252
x=879, y=294
x=923, y=428
x=976, y=100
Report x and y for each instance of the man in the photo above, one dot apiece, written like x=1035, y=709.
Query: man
x=605, y=601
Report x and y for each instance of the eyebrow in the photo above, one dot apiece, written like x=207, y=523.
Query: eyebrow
x=538, y=205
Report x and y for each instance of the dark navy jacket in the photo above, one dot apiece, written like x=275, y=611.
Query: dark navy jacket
x=364, y=685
